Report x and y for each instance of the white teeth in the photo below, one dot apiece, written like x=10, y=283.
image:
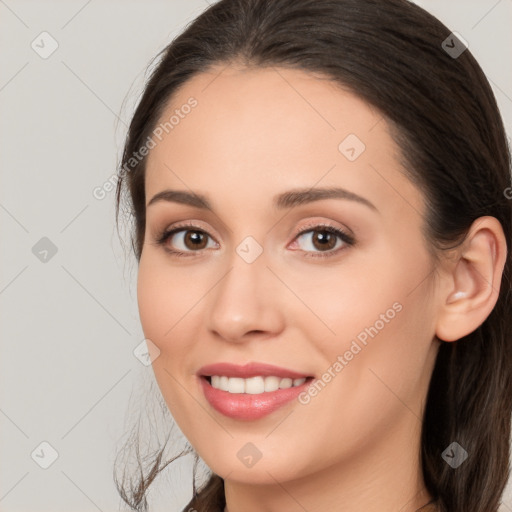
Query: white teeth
x=236, y=385
x=223, y=382
x=253, y=385
x=272, y=383
x=285, y=383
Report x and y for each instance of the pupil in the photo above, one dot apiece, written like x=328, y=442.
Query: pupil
x=323, y=237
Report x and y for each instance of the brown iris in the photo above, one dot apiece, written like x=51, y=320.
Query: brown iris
x=197, y=240
x=324, y=240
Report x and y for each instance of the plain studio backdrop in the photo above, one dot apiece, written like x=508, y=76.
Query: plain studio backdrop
x=70, y=75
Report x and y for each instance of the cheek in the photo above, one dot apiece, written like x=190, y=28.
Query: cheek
x=373, y=379
x=345, y=300
x=375, y=306
x=393, y=328
x=163, y=306
x=153, y=301
x=166, y=298
x=166, y=308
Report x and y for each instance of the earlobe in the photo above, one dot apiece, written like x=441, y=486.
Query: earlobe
x=473, y=282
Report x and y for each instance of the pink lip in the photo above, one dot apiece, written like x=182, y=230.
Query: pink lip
x=248, y=370
x=242, y=406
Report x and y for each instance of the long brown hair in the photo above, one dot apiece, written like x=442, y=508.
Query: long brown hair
x=446, y=122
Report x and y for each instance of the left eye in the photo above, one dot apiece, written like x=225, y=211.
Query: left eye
x=191, y=240
x=323, y=239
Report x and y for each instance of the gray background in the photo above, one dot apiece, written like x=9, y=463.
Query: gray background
x=69, y=320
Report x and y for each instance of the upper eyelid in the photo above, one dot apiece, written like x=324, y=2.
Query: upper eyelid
x=310, y=226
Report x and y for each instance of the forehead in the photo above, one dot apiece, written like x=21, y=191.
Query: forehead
x=263, y=129
x=273, y=108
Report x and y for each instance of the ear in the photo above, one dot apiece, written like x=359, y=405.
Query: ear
x=471, y=285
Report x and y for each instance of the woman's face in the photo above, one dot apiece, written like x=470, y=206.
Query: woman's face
x=259, y=282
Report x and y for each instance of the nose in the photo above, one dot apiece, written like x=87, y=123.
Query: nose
x=246, y=302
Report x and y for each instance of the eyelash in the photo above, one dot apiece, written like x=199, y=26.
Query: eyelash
x=347, y=239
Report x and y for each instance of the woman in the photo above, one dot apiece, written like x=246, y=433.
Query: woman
x=322, y=225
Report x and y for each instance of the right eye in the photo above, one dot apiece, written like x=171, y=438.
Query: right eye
x=188, y=239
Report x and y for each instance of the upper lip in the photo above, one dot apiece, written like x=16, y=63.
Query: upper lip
x=252, y=369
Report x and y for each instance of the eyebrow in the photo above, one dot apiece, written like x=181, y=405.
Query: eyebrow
x=281, y=201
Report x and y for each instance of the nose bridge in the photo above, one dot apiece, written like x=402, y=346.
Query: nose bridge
x=245, y=299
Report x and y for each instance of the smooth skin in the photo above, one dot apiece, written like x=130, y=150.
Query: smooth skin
x=256, y=133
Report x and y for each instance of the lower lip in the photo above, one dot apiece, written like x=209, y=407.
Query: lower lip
x=243, y=406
